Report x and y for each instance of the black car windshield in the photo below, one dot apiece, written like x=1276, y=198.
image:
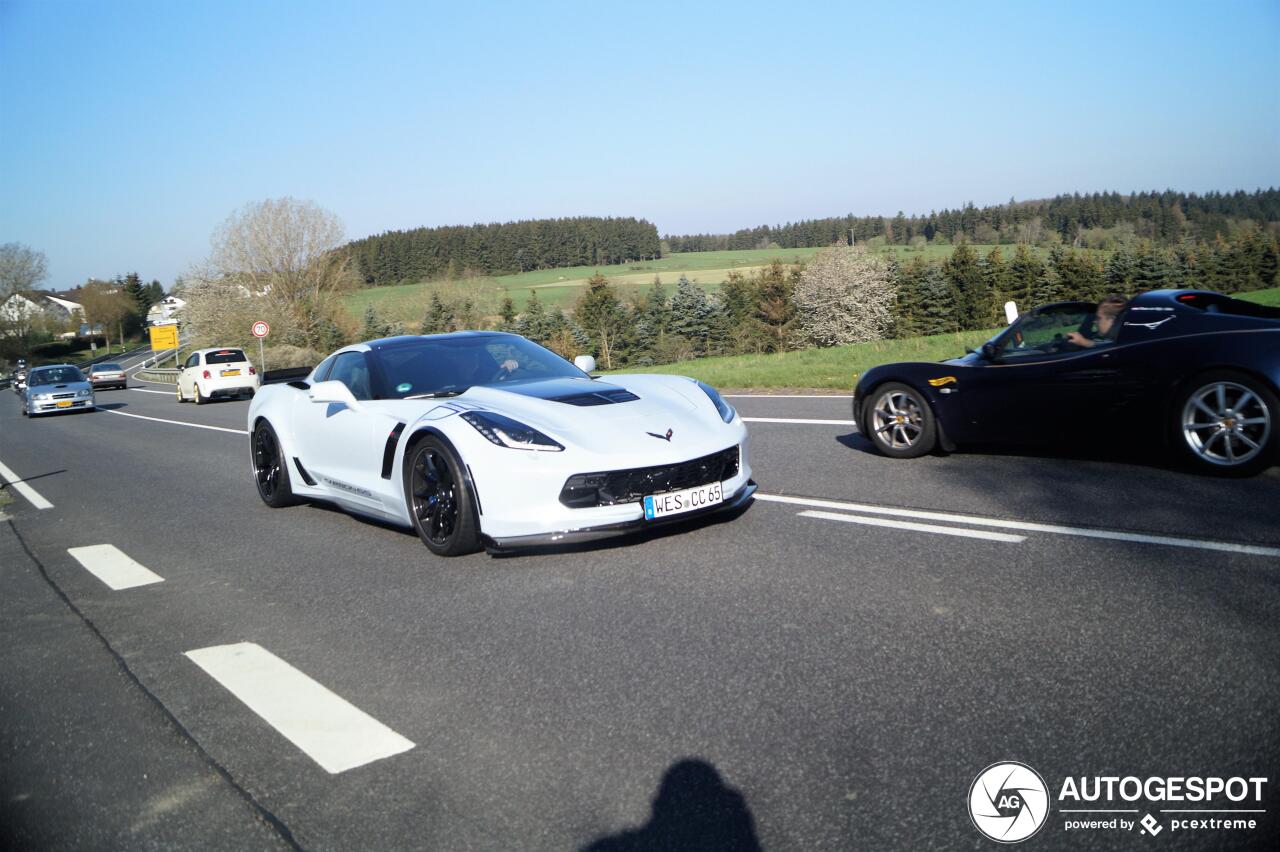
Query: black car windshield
x=55, y=376
x=224, y=356
x=451, y=365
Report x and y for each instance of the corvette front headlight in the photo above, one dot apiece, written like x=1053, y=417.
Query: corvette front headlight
x=509, y=433
x=726, y=410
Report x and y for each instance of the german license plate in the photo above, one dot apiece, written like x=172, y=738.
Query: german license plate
x=688, y=500
x=64, y=403
x=230, y=372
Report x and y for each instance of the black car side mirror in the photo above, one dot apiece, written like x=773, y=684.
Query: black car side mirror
x=989, y=351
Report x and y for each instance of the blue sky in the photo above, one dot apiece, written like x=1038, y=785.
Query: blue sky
x=130, y=130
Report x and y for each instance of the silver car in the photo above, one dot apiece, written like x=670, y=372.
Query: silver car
x=59, y=387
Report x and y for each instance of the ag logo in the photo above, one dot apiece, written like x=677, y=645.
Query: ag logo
x=1008, y=802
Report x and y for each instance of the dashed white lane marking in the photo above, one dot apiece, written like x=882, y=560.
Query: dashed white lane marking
x=179, y=422
x=16, y=483
x=911, y=525
x=110, y=565
x=1027, y=526
x=148, y=390
x=331, y=731
x=798, y=420
x=787, y=395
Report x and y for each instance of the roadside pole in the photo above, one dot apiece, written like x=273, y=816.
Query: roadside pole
x=260, y=330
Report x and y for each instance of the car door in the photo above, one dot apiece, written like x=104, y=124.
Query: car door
x=186, y=378
x=342, y=447
x=1033, y=385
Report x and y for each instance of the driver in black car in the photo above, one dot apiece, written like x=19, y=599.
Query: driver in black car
x=1105, y=322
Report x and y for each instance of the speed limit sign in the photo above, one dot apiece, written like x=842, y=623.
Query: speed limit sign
x=261, y=329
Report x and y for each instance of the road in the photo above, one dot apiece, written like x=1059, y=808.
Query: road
x=830, y=669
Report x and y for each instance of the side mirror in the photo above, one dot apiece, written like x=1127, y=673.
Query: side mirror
x=989, y=351
x=585, y=363
x=333, y=392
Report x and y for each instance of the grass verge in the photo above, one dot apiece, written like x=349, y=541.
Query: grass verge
x=827, y=369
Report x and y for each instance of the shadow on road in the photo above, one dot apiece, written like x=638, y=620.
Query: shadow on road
x=693, y=809
x=33, y=478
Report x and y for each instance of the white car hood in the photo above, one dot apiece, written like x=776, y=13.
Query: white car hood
x=665, y=403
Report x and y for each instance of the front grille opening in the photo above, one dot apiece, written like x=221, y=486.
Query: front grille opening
x=611, y=487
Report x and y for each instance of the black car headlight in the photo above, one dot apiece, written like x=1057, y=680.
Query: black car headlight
x=506, y=432
x=726, y=410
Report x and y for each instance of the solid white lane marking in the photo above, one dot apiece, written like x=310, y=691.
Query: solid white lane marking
x=331, y=731
x=179, y=422
x=148, y=390
x=787, y=395
x=110, y=565
x=1027, y=526
x=14, y=481
x=798, y=420
x=910, y=525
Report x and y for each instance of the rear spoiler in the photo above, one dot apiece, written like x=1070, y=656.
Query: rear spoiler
x=289, y=374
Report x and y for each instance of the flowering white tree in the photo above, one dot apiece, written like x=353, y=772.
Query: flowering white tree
x=845, y=295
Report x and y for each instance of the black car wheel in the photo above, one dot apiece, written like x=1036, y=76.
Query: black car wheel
x=1226, y=424
x=270, y=471
x=439, y=499
x=899, y=421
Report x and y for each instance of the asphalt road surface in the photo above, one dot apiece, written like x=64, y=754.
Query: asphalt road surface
x=830, y=669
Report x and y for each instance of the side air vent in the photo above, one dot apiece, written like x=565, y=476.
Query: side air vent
x=608, y=397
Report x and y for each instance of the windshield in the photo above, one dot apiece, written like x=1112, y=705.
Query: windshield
x=451, y=365
x=1044, y=332
x=55, y=376
x=224, y=356
x=106, y=368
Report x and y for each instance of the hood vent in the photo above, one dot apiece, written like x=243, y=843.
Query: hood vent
x=605, y=397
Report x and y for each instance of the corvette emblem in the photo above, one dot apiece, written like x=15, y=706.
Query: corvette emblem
x=666, y=437
x=945, y=380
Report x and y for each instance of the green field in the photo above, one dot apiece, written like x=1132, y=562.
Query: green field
x=1264, y=297
x=407, y=303
x=835, y=368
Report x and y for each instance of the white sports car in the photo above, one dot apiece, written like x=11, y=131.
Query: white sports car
x=485, y=439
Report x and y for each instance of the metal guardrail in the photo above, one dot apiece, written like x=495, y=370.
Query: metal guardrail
x=162, y=375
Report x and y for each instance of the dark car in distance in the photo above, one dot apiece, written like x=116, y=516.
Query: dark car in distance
x=1194, y=369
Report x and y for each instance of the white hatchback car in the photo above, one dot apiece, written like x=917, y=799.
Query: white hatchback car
x=216, y=374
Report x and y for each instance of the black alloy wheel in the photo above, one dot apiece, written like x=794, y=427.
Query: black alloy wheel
x=270, y=472
x=439, y=498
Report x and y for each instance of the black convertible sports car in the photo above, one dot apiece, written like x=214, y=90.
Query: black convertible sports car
x=1195, y=369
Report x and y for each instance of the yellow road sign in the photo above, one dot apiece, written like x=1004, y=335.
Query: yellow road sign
x=164, y=337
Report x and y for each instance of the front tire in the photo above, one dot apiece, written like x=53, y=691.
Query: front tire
x=270, y=469
x=899, y=421
x=1225, y=424
x=439, y=498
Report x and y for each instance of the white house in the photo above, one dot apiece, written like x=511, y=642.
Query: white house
x=165, y=310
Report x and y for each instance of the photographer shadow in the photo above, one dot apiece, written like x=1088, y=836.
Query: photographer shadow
x=693, y=809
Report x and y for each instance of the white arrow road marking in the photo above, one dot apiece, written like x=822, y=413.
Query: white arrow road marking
x=332, y=732
x=798, y=420
x=178, y=422
x=910, y=525
x=110, y=565
x=15, y=481
x=1027, y=526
